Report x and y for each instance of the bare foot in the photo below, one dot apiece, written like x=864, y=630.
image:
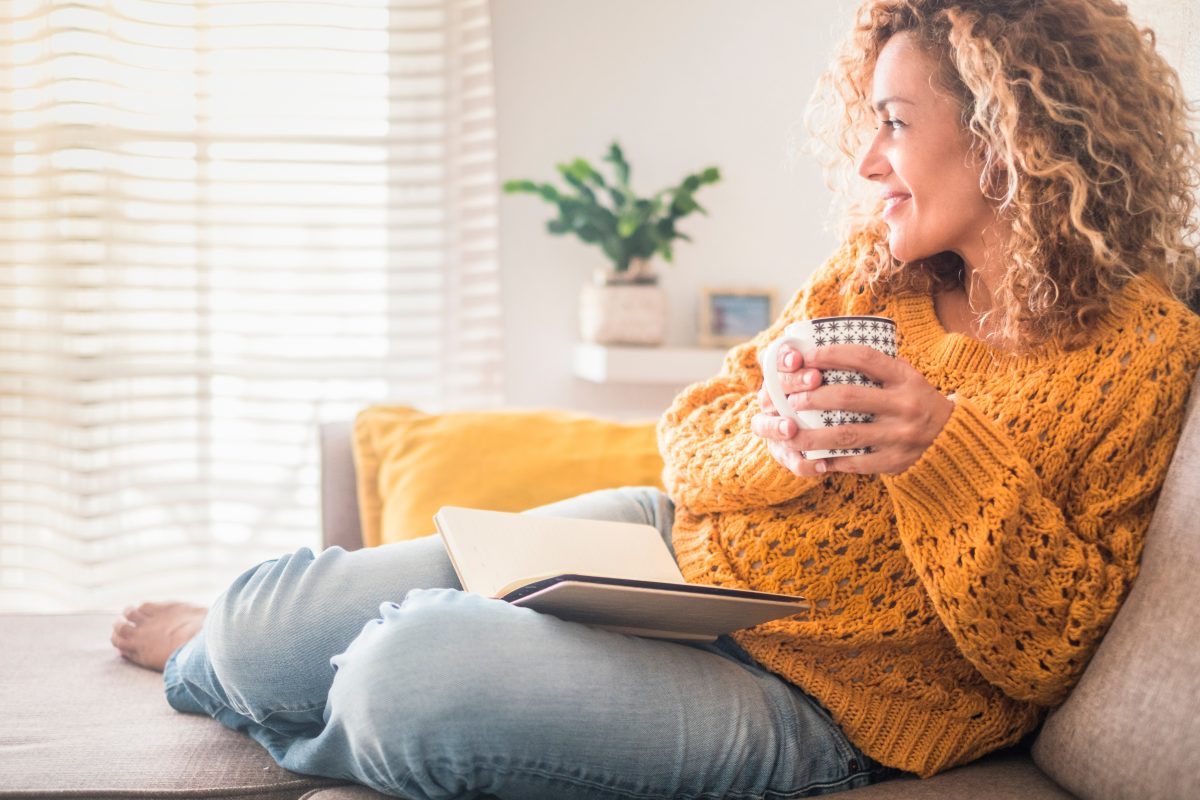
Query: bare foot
x=148, y=634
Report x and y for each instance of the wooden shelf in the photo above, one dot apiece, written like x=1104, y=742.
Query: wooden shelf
x=661, y=365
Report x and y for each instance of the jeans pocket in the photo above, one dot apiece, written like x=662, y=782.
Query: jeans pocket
x=860, y=768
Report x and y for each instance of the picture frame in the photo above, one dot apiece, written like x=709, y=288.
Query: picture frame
x=733, y=315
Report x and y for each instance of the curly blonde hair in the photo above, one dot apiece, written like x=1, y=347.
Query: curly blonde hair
x=1083, y=132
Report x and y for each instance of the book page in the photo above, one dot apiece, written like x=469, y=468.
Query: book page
x=495, y=551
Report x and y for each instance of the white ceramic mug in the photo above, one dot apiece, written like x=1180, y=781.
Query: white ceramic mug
x=876, y=332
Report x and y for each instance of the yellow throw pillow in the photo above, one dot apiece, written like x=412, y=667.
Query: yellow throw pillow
x=409, y=463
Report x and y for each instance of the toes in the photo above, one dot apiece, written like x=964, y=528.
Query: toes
x=122, y=629
x=144, y=611
x=147, y=610
x=129, y=655
x=120, y=638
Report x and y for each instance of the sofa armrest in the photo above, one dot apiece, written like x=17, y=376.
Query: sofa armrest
x=340, y=524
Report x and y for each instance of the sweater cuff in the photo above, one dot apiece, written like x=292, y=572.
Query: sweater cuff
x=966, y=463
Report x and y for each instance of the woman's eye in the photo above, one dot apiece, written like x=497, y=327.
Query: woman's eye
x=892, y=123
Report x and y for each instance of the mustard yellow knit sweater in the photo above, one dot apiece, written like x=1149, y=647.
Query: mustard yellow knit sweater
x=955, y=602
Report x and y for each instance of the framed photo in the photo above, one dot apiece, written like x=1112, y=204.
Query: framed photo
x=731, y=316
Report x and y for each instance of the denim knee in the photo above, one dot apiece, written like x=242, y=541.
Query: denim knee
x=243, y=636
x=428, y=698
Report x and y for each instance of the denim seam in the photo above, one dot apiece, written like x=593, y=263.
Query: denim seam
x=262, y=720
x=180, y=686
x=842, y=742
x=301, y=710
x=235, y=705
x=841, y=746
x=791, y=721
x=553, y=777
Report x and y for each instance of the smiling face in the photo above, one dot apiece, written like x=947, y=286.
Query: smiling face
x=921, y=160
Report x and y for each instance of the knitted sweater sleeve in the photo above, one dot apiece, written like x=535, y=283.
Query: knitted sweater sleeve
x=1027, y=586
x=712, y=461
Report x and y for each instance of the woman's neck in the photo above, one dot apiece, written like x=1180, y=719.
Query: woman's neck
x=967, y=308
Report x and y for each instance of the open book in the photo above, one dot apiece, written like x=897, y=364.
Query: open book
x=615, y=575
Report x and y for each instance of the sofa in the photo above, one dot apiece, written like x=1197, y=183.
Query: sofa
x=79, y=722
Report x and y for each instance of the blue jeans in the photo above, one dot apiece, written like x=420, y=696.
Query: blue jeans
x=372, y=666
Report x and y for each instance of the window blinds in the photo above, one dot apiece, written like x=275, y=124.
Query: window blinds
x=223, y=222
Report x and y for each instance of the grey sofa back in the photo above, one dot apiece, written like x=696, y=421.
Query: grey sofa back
x=340, y=523
x=1131, y=727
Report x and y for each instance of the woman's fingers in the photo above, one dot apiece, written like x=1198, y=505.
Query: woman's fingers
x=840, y=397
x=765, y=403
x=788, y=359
x=772, y=427
x=799, y=381
x=778, y=432
x=839, y=437
x=882, y=368
x=790, y=458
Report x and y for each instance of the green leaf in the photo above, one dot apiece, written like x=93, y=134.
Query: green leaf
x=614, y=249
x=617, y=159
x=581, y=170
x=578, y=183
x=683, y=205
x=626, y=227
x=586, y=171
x=520, y=186
x=589, y=233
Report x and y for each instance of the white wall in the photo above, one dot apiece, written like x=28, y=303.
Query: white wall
x=682, y=84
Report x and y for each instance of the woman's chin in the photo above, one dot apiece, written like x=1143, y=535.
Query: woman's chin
x=900, y=249
x=906, y=251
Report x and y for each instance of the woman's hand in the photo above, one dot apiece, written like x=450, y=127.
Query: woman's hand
x=780, y=431
x=909, y=414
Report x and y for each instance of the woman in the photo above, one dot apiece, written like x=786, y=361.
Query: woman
x=1034, y=230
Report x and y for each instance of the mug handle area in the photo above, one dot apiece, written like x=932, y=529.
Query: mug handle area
x=770, y=356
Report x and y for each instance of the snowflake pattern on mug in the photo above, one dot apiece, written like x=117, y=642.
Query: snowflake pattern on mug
x=873, y=332
x=870, y=331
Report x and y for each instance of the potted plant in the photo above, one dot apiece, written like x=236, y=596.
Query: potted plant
x=624, y=304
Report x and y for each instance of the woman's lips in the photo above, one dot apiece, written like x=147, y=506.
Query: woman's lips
x=892, y=201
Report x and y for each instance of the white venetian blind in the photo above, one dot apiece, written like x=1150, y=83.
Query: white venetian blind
x=223, y=222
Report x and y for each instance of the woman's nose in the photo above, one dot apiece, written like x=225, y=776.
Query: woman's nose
x=873, y=165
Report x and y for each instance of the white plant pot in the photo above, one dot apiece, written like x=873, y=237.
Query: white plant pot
x=627, y=313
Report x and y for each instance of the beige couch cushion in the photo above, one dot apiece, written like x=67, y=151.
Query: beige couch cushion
x=1008, y=775
x=78, y=721
x=1131, y=728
